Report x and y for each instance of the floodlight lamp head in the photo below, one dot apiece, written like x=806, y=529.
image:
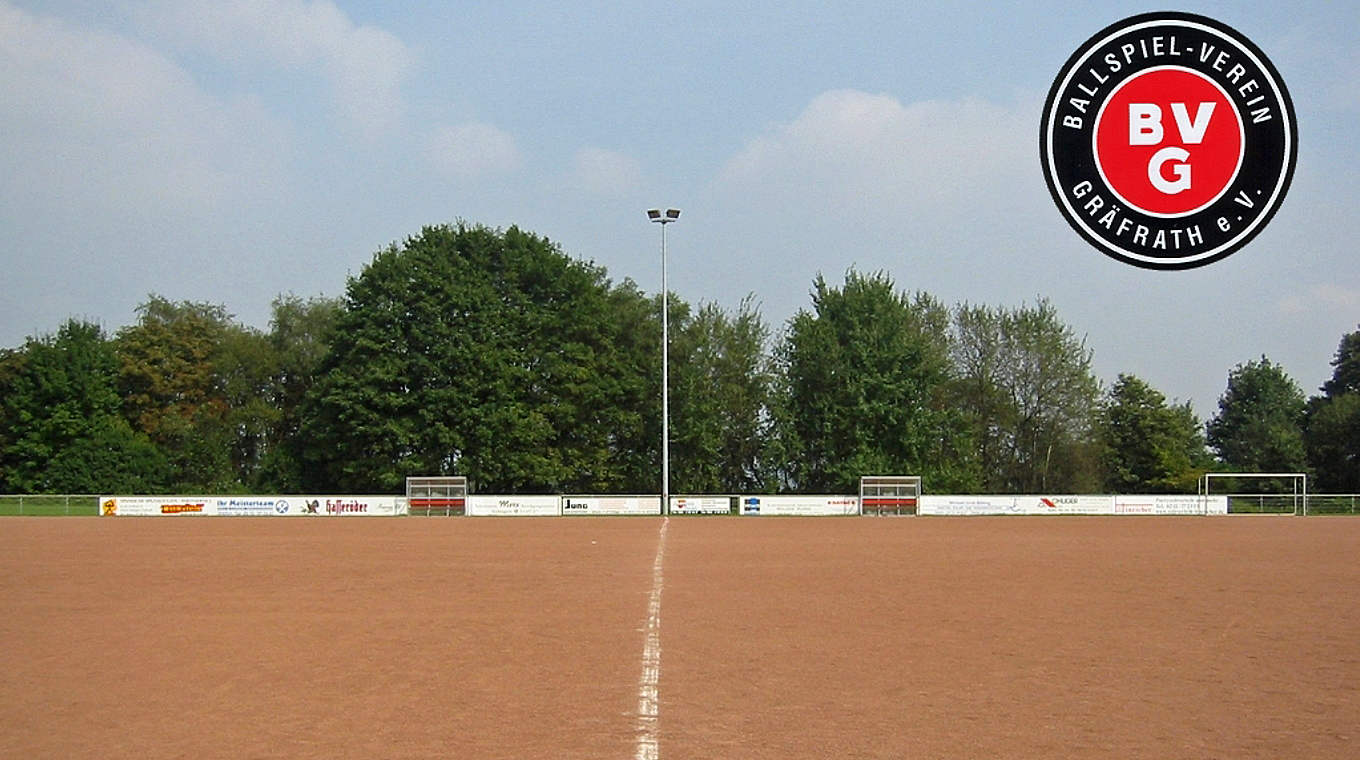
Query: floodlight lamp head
x=660, y=217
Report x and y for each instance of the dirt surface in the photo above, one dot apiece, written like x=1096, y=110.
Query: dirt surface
x=779, y=638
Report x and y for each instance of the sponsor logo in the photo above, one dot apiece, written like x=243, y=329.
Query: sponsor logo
x=281, y=506
x=574, y=506
x=311, y=507
x=110, y=506
x=1168, y=140
x=340, y=507
x=179, y=509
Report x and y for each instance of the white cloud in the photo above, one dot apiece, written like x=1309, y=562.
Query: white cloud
x=604, y=172
x=97, y=122
x=473, y=149
x=1325, y=297
x=364, y=66
x=865, y=155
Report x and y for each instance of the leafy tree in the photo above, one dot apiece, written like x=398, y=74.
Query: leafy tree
x=61, y=428
x=1332, y=422
x=1147, y=445
x=719, y=391
x=1025, y=384
x=862, y=388
x=1333, y=442
x=1259, y=426
x=300, y=332
x=1345, y=367
x=197, y=384
x=485, y=353
x=167, y=373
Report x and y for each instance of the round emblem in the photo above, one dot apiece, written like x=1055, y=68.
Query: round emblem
x=1168, y=140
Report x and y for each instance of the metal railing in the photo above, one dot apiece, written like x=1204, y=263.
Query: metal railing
x=68, y=504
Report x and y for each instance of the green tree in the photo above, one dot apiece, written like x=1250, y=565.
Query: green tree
x=862, y=389
x=299, y=335
x=198, y=385
x=1345, y=367
x=1332, y=422
x=61, y=429
x=1026, y=387
x=1259, y=426
x=1147, y=445
x=485, y=353
x=719, y=391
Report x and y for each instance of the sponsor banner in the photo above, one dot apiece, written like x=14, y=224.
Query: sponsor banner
x=146, y=506
x=253, y=506
x=935, y=504
x=1065, y=505
x=514, y=506
x=611, y=505
x=1173, y=504
x=250, y=506
x=701, y=505
x=339, y=506
x=800, y=505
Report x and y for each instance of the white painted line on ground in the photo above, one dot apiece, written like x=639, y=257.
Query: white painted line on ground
x=649, y=704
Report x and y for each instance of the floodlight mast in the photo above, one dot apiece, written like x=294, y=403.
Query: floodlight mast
x=664, y=218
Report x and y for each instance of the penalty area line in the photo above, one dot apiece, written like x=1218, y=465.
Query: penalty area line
x=649, y=707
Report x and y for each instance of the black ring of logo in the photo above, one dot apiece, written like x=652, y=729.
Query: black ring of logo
x=1123, y=50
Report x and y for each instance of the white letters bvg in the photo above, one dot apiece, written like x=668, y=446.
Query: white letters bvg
x=1145, y=128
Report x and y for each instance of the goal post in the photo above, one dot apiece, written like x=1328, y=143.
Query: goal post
x=436, y=495
x=889, y=494
x=1293, y=501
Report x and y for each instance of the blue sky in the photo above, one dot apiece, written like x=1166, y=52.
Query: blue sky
x=230, y=151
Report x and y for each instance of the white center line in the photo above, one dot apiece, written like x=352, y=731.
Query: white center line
x=648, y=697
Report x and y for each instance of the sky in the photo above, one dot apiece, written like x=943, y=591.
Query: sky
x=235, y=150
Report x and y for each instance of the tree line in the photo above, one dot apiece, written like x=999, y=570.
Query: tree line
x=491, y=353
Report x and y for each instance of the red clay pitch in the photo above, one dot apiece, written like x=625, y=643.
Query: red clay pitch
x=780, y=638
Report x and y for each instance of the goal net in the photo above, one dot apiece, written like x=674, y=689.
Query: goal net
x=442, y=495
x=1278, y=493
x=889, y=494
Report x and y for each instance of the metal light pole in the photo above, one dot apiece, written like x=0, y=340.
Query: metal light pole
x=664, y=218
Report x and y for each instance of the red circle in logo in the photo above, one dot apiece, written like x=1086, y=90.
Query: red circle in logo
x=1169, y=141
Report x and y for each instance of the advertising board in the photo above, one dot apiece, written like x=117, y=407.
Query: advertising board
x=611, y=505
x=800, y=505
x=514, y=506
x=146, y=506
x=251, y=506
x=701, y=505
x=1171, y=504
x=1065, y=505
x=946, y=505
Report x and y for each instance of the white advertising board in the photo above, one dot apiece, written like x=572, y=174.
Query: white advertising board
x=1065, y=505
x=145, y=506
x=800, y=505
x=514, y=506
x=611, y=505
x=1171, y=504
x=701, y=505
x=251, y=506
x=946, y=505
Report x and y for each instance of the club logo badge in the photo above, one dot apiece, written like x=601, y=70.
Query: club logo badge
x=1168, y=140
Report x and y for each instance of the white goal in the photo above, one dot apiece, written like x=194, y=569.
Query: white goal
x=1289, y=496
